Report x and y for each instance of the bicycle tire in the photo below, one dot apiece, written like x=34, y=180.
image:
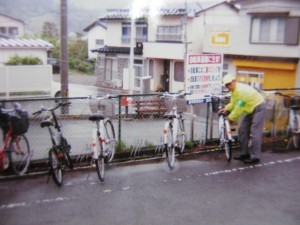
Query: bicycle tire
x=100, y=167
x=19, y=154
x=110, y=140
x=169, y=148
x=181, y=136
x=55, y=167
x=225, y=143
x=66, y=151
x=294, y=131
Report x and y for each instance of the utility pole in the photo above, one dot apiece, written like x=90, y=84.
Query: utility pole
x=64, y=48
x=131, y=55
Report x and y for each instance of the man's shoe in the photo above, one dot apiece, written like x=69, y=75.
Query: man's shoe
x=253, y=160
x=242, y=157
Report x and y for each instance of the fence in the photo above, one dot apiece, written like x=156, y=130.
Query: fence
x=135, y=128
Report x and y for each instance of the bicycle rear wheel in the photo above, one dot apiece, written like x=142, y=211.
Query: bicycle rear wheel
x=180, y=136
x=110, y=140
x=100, y=167
x=55, y=167
x=19, y=154
x=169, y=148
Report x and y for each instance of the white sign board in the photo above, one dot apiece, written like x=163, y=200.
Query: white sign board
x=204, y=77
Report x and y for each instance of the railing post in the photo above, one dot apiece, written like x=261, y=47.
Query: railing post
x=119, y=120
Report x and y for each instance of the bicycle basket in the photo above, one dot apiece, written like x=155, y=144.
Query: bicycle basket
x=105, y=106
x=179, y=102
x=4, y=122
x=19, y=121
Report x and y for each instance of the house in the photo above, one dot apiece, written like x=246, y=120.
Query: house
x=24, y=47
x=96, y=35
x=259, y=41
x=11, y=26
x=159, y=46
x=262, y=47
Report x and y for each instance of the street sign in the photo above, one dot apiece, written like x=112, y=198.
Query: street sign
x=204, y=77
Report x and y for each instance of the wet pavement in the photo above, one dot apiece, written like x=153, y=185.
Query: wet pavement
x=204, y=189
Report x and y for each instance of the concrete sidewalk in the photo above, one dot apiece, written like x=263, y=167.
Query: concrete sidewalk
x=76, y=78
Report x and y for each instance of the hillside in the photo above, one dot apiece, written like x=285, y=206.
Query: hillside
x=36, y=12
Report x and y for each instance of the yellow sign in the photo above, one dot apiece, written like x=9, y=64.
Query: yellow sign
x=219, y=38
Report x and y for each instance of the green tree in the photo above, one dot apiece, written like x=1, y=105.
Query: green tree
x=49, y=31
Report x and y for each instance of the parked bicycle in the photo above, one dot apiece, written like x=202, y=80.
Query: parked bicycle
x=174, y=137
x=104, y=140
x=15, y=151
x=59, y=153
x=292, y=102
x=225, y=130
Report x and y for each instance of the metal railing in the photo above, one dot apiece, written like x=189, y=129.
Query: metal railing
x=135, y=130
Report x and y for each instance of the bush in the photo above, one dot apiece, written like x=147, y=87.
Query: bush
x=28, y=60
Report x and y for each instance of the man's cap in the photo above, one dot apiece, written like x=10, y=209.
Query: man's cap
x=228, y=78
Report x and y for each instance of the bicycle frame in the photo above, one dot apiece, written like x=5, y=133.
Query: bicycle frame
x=4, y=159
x=102, y=138
x=174, y=121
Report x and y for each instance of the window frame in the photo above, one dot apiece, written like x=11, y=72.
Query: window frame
x=281, y=29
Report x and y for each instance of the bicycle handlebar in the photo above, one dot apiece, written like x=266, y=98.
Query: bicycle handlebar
x=51, y=109
x=108, y=96
x=174, y=95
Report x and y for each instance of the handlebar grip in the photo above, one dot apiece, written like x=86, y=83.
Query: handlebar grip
x=37, y=112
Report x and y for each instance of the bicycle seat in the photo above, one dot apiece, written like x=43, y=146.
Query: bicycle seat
x=46, y=123
x=96, y=116
x=169, y=116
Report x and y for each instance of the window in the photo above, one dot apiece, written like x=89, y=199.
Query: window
x=252, y=78
x=168, y=33
x=141, y=32
x=138, y=72
x=3, y=30
x=126, y=33
x=179, y=71
x=99, y=42
x=151, y=68
x=111, y=69
x=275, y=30
x=13, y=31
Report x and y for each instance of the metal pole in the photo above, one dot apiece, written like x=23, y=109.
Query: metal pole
x=64, y=49
x=131, y=57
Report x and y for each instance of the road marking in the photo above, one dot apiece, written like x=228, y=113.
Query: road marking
x=178, y=179
x=251, y=167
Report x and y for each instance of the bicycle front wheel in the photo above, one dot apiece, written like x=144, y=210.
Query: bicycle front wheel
x=294, y=131
x=66, y=151
x=55, y=167
x=110, y=140
x=19, y=154
x=180, y=136
x=169, y=148
x=100, y=167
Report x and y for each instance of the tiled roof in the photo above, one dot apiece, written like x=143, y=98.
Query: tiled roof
x=174, y=9
x=24, y=43
x=119, y=50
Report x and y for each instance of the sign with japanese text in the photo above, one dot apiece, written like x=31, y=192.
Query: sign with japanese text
x=219, y=38
x=203, y=77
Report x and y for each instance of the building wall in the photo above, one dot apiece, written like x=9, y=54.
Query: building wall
x=97, y=32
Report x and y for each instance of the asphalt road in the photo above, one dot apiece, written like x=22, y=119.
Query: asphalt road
x=204, y=190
